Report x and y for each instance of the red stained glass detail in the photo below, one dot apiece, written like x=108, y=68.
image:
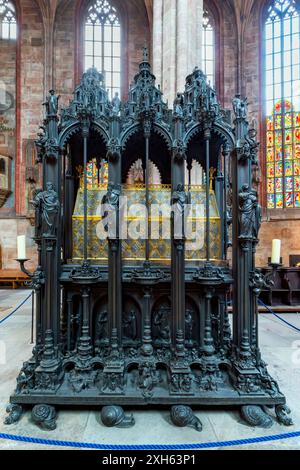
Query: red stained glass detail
x=297, y=199
x=297, y=135
x=270, y=170
x=271, y=186
x=297, y=167
x=278, y=107
x=287, y=106
x=297, y=183
x=270, y=124
x=270, y=155
x=270, y=139
x=289, y=201
x=288, y=136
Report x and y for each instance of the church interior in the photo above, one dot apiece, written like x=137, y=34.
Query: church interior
x=156, y=103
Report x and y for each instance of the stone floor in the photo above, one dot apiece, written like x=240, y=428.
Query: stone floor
x=281, y=350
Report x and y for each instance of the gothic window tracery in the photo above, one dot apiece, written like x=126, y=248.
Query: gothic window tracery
x=208, y=47
x=282, y=104
x=8, y=22
x=102, y=40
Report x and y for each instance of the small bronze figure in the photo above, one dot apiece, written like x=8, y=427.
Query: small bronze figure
x=47, y=205
x=51, y=103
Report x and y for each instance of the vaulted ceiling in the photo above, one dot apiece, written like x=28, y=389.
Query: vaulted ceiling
x=49, y=7
x=240, y=8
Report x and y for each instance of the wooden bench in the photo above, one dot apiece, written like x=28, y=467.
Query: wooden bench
x=286, y=289
x=12, y=277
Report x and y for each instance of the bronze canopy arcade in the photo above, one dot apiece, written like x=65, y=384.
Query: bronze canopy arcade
x=138, y=322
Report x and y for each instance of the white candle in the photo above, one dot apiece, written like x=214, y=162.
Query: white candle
x=276, y=247
x=21, y=244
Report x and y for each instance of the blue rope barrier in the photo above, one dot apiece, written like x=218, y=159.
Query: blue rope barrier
x=201, y=445
x=16, y=309
x=279, y=318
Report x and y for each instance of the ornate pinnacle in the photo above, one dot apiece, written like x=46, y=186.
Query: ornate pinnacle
x=145, y=54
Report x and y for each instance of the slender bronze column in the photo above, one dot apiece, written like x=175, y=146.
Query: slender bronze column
x=179, y=200
x=225, y=153
x=244, y=227
x=69, y=317
x=207, y=136
x=68, y=209
x=85, y=200
x=114, y=286
x=147, y=128
x=85, y=345
x=40, y=327
x=147, y=348
x=114, y=242
x=208, y=346
x=51, y=235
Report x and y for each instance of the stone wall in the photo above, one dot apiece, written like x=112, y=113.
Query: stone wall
x=64, y=52
x=229, y=51
x=287, y=231
x=139, y=34
x=8, y=53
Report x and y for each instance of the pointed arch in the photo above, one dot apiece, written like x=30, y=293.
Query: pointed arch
x=102, y=42
x=8, y=20
x=212, y=45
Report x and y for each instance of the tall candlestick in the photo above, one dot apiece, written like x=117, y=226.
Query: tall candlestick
x=21, y=245
x=276, y=247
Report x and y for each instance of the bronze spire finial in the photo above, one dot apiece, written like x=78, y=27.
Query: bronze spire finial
x=145, y=53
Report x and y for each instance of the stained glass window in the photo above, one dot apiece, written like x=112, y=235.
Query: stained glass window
x=103, y=43
x=208, y=47
x=8, y=23
x=282, y=92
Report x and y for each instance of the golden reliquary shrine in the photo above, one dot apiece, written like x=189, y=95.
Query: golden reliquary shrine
x=139, y=208
x=134, y=194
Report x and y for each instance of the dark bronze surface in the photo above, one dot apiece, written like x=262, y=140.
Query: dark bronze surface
x=149, y=333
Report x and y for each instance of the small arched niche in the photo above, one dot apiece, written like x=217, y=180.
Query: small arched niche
x=161, y=322
x=97, y=180
x=100, y=326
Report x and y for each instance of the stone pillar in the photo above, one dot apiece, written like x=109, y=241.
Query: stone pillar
x=177, y=39
x=157, y=39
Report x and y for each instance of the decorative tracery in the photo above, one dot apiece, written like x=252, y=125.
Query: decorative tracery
x=208, y=47
x=8, y=22
x=103, y=43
